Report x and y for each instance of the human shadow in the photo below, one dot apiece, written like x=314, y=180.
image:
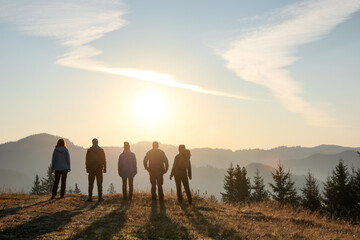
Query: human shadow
x=41, y=225
x=260, y=217
x=160, y=226
x=107, y=226
x=10, y=211
x=205, y=227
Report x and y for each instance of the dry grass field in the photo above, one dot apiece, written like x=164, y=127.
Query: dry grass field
x=35, y=217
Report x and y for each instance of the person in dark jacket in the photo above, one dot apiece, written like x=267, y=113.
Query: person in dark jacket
x=95, y=166
x=127, y=170
x=157, y=164
x=61, y=165
x=181, y=170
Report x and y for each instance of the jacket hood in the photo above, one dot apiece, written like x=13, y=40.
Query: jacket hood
x=185, y=153
x=60, y=149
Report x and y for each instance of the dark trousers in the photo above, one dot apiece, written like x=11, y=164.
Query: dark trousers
x=157, y=180
x=58, y=175
x=124, y=187
x=99, y=179
x=184, y=180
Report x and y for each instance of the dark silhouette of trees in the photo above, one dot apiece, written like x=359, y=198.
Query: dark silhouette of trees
x=283, y=187
x=77, y=189
x=355, y=189
x=236, y=185
x=311, y=197
x=229, y=185
x=111, y=189
x=259, y=193
x=338, y=195
x=242, y=185
x=36, y=190
x=47, y=182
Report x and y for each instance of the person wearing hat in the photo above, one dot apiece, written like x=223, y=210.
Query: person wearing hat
x=127, y=170
x=95, y=167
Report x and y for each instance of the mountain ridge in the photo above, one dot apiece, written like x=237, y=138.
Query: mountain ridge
x=32, y=155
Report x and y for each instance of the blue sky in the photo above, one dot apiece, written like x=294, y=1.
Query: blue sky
x=231, y=74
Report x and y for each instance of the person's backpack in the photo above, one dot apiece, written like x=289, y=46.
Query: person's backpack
x=184, y=160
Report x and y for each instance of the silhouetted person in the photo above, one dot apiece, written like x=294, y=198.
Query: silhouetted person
x=157, y=167
x=61, y=165
x=127, y=170
x=181, y=170
x=95, y=166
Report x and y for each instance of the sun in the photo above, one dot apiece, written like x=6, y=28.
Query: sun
x=150, y=108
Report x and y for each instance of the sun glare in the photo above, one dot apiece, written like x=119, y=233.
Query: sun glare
x=150, y=108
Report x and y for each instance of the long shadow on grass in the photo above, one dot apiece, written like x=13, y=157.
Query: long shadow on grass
x=260, y=217
x=105, y=227
x=41, y=225
x=160, y=226
x=10, y=211
x=205, y=227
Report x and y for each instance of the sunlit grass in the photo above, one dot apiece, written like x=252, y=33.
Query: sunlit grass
x=29, y=216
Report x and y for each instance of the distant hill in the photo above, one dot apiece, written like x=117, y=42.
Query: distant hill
x=22, y=160
x=15, y=181
x=34, y=217
x=322, y=164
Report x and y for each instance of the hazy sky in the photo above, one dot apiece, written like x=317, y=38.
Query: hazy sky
x=226, y=74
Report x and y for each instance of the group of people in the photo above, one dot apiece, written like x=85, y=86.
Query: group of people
x=155, y=162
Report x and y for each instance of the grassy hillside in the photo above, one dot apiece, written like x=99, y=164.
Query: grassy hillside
x=26, y=216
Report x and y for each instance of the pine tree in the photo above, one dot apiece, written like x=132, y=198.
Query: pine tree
x=311, y=198
x=338, y=193
x=70, y=190
x=229, y=181
x=47, y=182
x=242, y=184
x=283, y=187
x=355, y=190
x=35, y=190
x=259, y=194
x=111, y=189
x=77, y=189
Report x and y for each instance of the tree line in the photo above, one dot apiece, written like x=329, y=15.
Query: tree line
x=340, y=197
x=44, y=185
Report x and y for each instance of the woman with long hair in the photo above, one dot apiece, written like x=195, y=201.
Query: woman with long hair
x=61, y=165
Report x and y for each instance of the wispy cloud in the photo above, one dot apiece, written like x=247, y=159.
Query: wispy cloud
x=261, y=56
x=74, y=24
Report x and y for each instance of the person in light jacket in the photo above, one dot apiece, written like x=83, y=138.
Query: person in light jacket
x=127, y=170
x=61, y=165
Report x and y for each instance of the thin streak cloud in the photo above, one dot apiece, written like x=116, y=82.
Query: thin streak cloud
x=74, y=24
x=261, y=55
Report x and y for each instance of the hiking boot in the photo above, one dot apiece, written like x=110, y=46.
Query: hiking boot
x=89, y=200
x=100, y=199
